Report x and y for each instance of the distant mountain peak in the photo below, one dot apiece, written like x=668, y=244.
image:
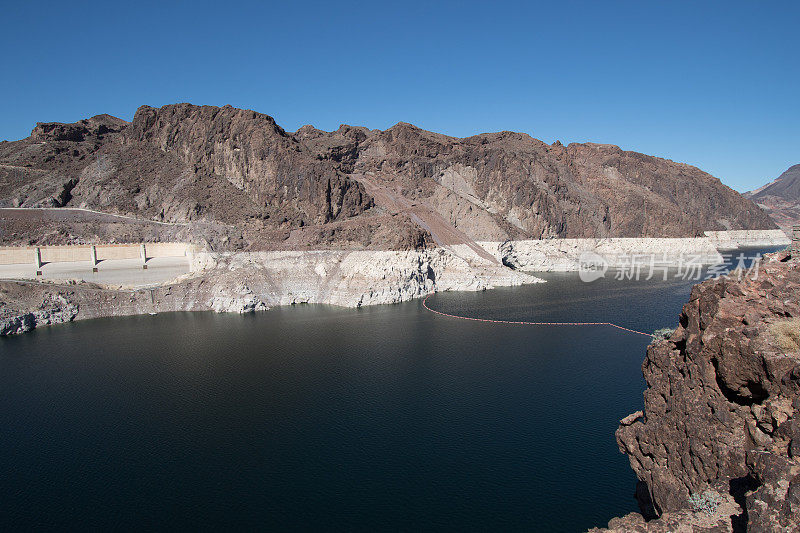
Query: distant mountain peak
x=785, y=187
x=780, y=198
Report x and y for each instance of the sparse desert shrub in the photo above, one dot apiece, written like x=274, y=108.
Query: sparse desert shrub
x=787, y=334
x=663, y=333
x=707, y=502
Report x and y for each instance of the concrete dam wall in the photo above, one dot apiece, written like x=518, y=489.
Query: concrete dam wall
x=19, y=255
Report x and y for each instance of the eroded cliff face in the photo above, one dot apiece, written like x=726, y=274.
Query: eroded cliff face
x=507, y=185
x=234, y=175
x=258, y=187
x=253, y=154
x=722, y=408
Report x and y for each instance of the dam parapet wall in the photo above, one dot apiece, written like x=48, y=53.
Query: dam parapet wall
x=16, y=255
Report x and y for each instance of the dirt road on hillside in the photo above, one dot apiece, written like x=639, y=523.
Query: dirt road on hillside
x=443, y=233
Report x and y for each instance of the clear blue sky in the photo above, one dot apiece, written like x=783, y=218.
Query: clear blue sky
x=714, y=84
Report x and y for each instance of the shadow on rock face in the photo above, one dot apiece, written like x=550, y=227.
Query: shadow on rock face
x=739, y=487
x=646, y=505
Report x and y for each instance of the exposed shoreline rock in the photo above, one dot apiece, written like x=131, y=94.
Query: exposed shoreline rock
x=731, y=240
x=53, y=309
x=253, y=281
x=565, y=255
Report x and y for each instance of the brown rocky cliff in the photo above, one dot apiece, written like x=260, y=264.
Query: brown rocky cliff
x=259, y=187
x=515, y=186
x=722, y=405
x=234, y=171
x=658, y=197
x=253, y=154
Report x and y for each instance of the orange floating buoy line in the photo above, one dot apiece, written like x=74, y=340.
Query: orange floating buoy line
x=526, y=323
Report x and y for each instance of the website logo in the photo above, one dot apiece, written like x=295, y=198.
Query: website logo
x=591, y=266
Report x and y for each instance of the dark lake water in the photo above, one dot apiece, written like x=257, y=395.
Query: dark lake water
x=319, y=418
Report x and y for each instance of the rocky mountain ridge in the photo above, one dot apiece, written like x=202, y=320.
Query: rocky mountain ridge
x=260, y=187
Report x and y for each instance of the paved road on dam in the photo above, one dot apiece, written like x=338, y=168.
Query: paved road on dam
x=127, y=272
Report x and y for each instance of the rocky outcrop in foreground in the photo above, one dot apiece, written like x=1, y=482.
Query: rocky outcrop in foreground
x=717, y=447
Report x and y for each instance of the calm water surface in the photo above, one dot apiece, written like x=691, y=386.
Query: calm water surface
x=319, y=418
